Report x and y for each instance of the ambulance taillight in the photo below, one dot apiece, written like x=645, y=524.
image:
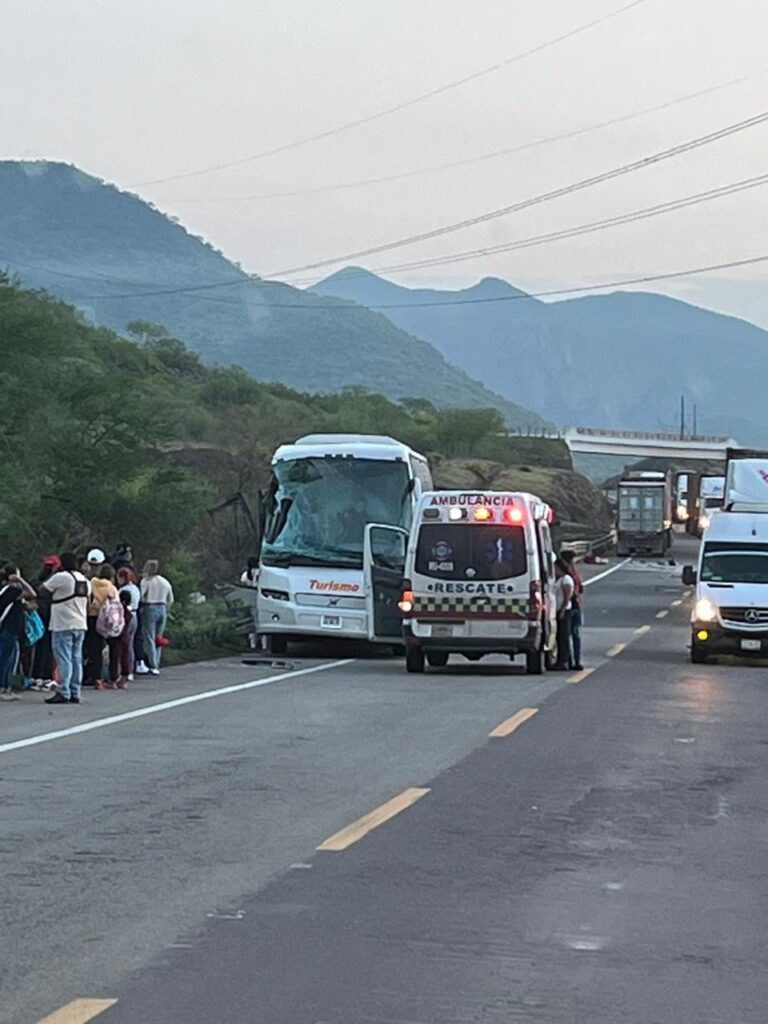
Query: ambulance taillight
x=405, y=604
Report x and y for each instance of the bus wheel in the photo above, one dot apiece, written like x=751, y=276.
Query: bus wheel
x=534, y=663
x=414, y=659
x=437, y=659
x=276, y=644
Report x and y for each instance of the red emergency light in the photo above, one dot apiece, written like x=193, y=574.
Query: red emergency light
x=514, y=515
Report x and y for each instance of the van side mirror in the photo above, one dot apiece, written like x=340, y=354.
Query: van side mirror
x=689, y=576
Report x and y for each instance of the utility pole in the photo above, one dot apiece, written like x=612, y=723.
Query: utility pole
x=682, y=417
x=695, y=420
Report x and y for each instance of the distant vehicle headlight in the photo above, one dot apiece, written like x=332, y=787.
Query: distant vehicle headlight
x=703, y=522
x=705, y=610
x=682, y=513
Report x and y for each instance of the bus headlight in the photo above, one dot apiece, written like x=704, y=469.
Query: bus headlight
x=705, y=611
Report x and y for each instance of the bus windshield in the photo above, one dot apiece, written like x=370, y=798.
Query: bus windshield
x=735, y=563
x=319, y=508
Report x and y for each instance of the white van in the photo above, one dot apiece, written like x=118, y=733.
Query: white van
x=730, y=613
x=479, y=579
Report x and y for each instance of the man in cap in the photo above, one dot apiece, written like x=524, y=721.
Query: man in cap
x=93, y=646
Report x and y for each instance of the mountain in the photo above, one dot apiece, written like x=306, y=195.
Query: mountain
x=118, y=259
x=620, y=360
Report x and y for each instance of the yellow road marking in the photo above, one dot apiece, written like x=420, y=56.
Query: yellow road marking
x=616, y=649
x=581, y=676
x=79, y=1012
x=643, y=630
x=508, y=726
x=354, y=832
x=663, y=613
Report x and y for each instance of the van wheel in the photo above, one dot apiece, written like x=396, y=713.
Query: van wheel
x=437, y=659
x=414, y=659
x=534, y=663
x=276, y=644
x=698, y=654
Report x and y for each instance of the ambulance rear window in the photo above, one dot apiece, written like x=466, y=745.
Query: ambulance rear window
x=464, y=551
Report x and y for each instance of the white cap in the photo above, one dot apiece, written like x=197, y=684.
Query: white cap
x=96, y=556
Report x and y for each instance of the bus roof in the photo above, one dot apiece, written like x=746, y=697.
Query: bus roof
x=359, y=446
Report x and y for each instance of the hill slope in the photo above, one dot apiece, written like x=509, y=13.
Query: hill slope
x=119, y=260
x=620, y=360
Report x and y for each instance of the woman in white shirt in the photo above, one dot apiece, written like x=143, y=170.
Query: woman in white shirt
x=564, y=592
x=156, y=599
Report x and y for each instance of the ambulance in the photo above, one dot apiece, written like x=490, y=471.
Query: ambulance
x=479, y=579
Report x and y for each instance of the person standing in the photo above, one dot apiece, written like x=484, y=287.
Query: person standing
x=13, y=590
x=42, y=655
x=70, y=591
x=577, y=616
x=156, y=599
x=564, y=591
x=126, y=584
x=103, y=589
x=120, y=652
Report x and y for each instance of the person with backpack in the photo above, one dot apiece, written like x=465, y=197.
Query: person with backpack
x=14, y=589
x=156, y=599
x=103, y=589
x=70, y=592
x=120, y=647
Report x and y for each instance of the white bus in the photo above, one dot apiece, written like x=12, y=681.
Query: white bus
x=325, y=491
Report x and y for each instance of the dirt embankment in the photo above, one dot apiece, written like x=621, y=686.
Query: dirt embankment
x=576, y=500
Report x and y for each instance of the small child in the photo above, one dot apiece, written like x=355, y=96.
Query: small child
x=120, y=653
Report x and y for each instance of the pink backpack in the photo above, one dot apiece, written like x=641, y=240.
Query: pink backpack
x=111, y=619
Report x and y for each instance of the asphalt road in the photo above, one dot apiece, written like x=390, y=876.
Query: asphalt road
x=602, y=861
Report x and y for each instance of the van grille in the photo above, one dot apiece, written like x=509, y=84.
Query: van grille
x=749, y=616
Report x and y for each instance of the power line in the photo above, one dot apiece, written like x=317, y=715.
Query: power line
x=404, y=105
x=582, y=229
x=482, y=157
x=536, y=200
x=345, y=305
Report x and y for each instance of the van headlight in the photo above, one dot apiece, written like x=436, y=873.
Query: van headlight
x=705, y=611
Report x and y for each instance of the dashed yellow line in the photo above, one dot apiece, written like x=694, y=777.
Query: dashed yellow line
x=508, y=726
x=79, y=1012
x=642, y=630
x=616, y=649
x=353, y=833
x=663, y=613
x=581, y=676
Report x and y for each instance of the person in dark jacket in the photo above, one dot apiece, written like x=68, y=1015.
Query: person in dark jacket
x=13, y=590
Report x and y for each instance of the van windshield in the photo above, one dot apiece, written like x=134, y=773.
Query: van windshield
x=735, y=563
x=462, y=551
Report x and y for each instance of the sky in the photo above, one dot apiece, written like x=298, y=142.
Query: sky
x=149, y=89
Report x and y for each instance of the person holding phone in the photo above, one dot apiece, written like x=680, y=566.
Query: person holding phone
x=13, y=590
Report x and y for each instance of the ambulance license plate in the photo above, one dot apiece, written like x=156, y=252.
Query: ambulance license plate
x=331, y=622
x=751, y=645
x=442, y=630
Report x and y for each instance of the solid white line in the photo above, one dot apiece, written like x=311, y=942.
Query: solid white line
x=608, y=572
x=166, y=705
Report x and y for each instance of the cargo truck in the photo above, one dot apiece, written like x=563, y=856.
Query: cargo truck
x=644, y=513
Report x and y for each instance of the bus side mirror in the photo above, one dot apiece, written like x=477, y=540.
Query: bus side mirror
x=689, y=576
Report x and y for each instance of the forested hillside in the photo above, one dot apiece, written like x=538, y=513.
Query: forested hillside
x=118, y=259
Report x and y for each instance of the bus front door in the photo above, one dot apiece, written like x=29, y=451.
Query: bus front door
x=384, y=568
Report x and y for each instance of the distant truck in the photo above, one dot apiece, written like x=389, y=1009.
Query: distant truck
x=705, y=495
x=644, y=513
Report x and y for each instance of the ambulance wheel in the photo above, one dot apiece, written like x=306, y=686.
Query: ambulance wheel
x=534, y=663
x=414, y=659
x=276, y=644
x=437, y=659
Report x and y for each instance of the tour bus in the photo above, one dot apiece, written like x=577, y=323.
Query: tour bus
x=479, y=578
x=325, y=490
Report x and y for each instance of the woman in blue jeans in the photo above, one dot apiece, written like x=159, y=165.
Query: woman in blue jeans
x=13, y=590
x=156, y=599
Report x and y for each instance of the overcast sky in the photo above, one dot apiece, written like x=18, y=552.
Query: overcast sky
x=133, y=90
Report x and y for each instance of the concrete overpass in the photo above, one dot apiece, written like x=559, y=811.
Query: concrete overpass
x=638, y=445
